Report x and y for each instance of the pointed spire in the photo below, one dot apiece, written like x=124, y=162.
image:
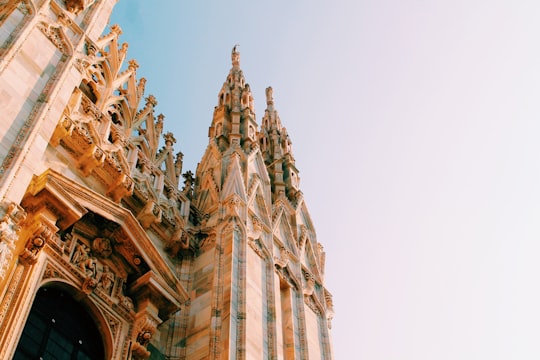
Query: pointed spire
x=233, y=122
x=276, y=147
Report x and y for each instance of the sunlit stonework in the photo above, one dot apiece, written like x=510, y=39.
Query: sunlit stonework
x=108, y=249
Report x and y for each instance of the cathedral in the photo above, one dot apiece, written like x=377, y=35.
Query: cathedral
x=108, y=249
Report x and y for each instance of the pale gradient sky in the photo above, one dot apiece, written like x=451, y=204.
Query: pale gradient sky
x=416, y=129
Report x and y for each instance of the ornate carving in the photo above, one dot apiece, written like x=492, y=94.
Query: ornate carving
x=308, y=283
x=9, y=228
x=329, y=307
x=233, y=206
x=89, y=267
x=89, y=285
x=255, y=245
x=80, y=255
x=76, y=6
x=257, y=226
x=56, y=36
x=106, y=280
x=52, y=273
x=114, y=324
x=125, y=301
x=145, y=326
x=12, y=289
x=42, y=233
x=150, y=213
x=284, y=258
x=102, y=247
x=180, y=241
x=90, y=109
x=287, y=277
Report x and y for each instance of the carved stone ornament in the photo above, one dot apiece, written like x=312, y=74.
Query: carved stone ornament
x=106, y=279
x=257, y=226
x=310, y=302
x=89, y=285
x=309, y=283
x=9, y=228
x=145, y=327
x=102, y=247
x=329, y=308
x=283, y=260
x=43, y=232
x=233, y=207
x=256, y=246
x=56, y=35
x=76, y=6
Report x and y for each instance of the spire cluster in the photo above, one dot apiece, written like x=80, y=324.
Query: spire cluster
x=234, y=124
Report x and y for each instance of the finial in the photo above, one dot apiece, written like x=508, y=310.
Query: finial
x=235, y=56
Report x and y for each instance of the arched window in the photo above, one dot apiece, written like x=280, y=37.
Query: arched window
x=59, y=327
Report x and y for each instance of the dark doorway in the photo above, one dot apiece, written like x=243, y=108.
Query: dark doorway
x=59, y=327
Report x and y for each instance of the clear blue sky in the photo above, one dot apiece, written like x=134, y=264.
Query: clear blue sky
x=416, y=129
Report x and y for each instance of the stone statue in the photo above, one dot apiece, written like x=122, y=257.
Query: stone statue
x=235, y=55
x=90, y=267
x=106, y=280
x=80, y=256
x=269, y=95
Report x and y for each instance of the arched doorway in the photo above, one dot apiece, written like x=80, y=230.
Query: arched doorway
x=59, y=327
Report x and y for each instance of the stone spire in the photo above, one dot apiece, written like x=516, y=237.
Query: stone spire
x=233, y=123
x=276, y=147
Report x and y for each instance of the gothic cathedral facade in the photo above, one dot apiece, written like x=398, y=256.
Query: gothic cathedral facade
x=108, y=250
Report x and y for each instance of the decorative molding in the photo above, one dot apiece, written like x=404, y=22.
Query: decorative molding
x=11, y=291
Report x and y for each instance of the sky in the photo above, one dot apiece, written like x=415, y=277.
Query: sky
x=416, y=130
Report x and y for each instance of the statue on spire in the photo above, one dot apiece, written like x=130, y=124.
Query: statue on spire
x=235, y=56
x=269, y=96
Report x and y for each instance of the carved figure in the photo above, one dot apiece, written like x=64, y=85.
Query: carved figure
x=106, y=280
x=269, y=95
x=235, y=55
x=283, y=261
x=80, y=256
x=90, y=267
